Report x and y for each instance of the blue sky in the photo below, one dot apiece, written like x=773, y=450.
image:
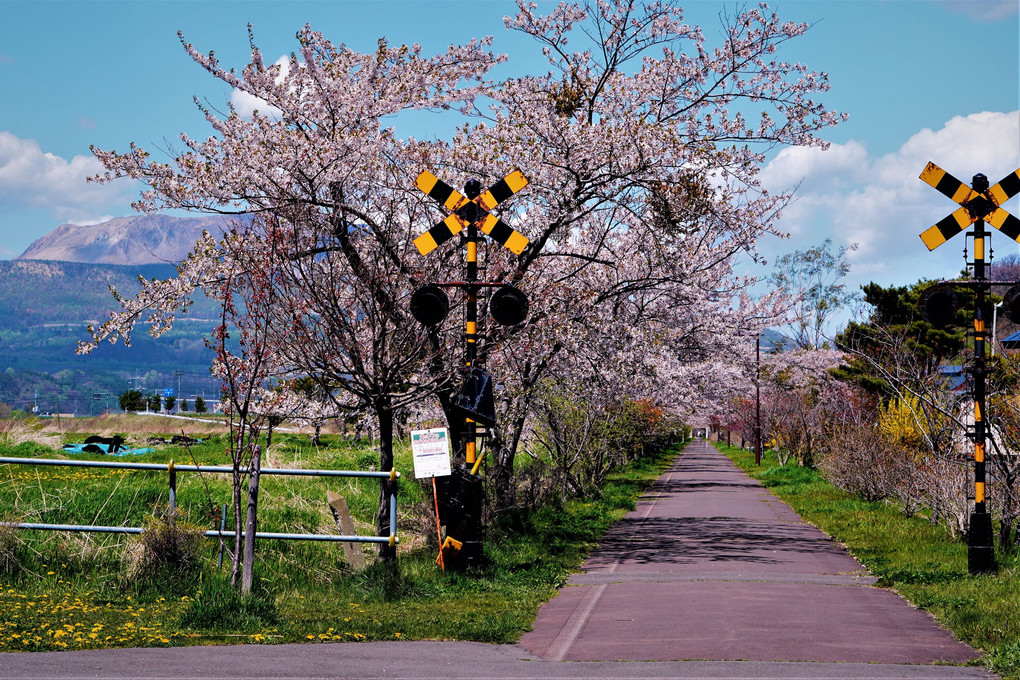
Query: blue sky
x=921, y=79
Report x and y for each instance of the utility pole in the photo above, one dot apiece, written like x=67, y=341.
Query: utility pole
x=757, y=400
x=178, y=373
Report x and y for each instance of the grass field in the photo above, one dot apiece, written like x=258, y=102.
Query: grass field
x=78, y=591
x=919, y=560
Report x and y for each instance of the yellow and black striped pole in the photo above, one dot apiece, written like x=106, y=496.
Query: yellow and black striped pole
x=472, y=536
x=472, y=189
x=980, y=547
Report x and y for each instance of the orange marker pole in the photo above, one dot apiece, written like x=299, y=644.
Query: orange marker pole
x=439, y=528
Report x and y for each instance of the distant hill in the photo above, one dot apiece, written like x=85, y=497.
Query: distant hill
x=38, y=292
x=44, y=308
x=772, y=341
x=142, y=239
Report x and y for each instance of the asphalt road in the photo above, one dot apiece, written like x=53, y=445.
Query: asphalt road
x=711, y=576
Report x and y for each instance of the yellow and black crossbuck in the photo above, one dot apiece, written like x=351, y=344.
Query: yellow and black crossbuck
x=976, y=205
x=473, y=211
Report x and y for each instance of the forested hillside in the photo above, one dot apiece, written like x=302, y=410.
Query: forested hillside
x=44, y=309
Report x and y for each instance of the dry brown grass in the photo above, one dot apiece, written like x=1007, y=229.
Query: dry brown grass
x=153, y=424
x=14, y=432
x=135, y=424
x=10, y=545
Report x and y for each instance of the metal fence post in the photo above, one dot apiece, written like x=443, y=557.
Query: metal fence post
x=223, y=527
x=173, y=488
x=393, y=507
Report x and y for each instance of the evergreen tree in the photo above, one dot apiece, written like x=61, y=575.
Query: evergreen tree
x=132, y=401
x=896, y=325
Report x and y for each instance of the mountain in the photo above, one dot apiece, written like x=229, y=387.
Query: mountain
x=61, y=282
x=774, y=341
x=143, y=239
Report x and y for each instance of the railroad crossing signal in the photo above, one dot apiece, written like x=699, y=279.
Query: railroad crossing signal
x=474, y=211
x=978, y=201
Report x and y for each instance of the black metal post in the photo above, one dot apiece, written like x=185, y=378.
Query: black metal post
x=980, y=547
x=472, y=549
x=757, y=400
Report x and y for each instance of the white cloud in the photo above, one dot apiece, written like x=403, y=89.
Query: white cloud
x=246, y=103
x=984, y=10
x=812, y=168
x=881, y=204
x=31, y=178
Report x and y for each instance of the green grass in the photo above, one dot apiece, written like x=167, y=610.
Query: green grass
x=70, y=591
x=910, y=554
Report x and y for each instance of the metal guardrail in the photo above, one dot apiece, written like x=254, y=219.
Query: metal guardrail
x=173, y=469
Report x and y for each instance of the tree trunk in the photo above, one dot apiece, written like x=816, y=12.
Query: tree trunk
x=387, y=488
x=250, y=524
x=502, y=473
x=236, y=447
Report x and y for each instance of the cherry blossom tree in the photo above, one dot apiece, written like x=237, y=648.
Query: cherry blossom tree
x=642, y=145
x=643, y=169
x=326, y=183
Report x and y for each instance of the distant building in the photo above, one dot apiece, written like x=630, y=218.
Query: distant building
x=955, y=377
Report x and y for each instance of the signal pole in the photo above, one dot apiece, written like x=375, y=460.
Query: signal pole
x=978, y=203
x=472, y=550
x=472, y=190
x=470, y=213
x=980, y=548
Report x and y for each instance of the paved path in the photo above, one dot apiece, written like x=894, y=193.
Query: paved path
x=711, y=576
x=711, y=565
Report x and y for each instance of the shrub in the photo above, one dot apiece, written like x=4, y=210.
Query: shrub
x=165, y=554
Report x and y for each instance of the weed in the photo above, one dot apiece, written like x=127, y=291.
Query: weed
x=1005, y=660
x=220, y=606
x=14, y=432
x=933, y=574
x=167, y=552
x=10, y=545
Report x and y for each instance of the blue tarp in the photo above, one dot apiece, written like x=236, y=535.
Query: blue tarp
x=105, y=449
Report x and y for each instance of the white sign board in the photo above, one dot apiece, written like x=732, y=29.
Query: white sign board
x=431, y=451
